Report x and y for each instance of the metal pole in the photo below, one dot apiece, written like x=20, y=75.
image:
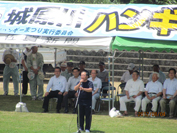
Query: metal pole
x=55, y=57
x=19, y=68
x=113, y=79
x=109, y=78
x=142, y=63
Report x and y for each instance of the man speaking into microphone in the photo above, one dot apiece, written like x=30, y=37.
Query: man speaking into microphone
x=84, y=101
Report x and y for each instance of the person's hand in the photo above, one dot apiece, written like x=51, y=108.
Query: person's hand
x=81, y=88
x=60, y=93
x=93, y=94
x=26, y=69
x=13, y=60
x=128, y=97
x=65, y=93
x=149, y=97
x=35, y=71
x=46, y=94
x=134, y=96
x=76, y=94
x=81, y=80
x=164, y=97
x=153, y=97
x=171, y=97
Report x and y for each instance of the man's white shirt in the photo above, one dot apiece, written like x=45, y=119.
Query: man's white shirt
x=154, y=87
x=57, y=84
x=170, y=86
x=96, y=83
x=72, y=83
x=134, y=87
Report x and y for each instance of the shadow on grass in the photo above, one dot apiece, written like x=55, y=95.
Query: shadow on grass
x=96, y=131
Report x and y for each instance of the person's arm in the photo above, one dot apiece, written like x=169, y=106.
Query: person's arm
x=78, y=85
x=175, y=94
x=122, y=78
x=90, y=85
x=95, y=91
x=64, y=82
x=41, y=63
x=49, y=86
x=146, y=93
x=23, y=63
x=164, y=94
x=127, y=94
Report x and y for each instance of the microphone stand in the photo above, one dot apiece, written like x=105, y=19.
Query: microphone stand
x=78, y=113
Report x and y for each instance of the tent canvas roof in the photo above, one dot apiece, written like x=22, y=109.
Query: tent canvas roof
x=128, y=44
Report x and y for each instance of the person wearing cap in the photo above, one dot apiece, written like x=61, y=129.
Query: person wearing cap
x=63, y=67
x=10, y=58
x=97, y=84
x=82, y=67
x=128, y=74
x=25, y=71
x=153, y=92
x=103, y=73
x=69, y=91
x=68, y=72
x=57, y=84
x=134, y=89
x=35, y=64
x=162, y=76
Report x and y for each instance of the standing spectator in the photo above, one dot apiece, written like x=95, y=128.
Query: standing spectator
x=169, y=93
x=25, y=71
x=103, y=73
x=69, y=91
x=128, y=74
x=57, y=84
x=82, y=67
x=162, y=76
x=85, y=101
x=35, y=64
x=97, y=84
x=153, y=92
x=134, y=88
x=10, y=58
x=68, y=72
x=63, y=67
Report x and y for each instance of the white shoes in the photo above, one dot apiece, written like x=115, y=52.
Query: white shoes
x=87, y=131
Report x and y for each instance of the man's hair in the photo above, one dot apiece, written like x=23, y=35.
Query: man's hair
x=136, y=72
x=58, y=68
x=156, y=73
x=156, y=65
x=75, y=69
x=86, y=73
x=95, y=71
x=172, y=70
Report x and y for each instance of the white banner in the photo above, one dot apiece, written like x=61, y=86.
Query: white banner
x=75, y=43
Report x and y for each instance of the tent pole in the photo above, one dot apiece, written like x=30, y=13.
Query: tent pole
x=142, y=63
x=55, y=57
x=113, y=78
x=109, y=79
x=19, y=68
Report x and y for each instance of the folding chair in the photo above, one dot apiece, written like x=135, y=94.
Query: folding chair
x=120, y=94
x=108, y=96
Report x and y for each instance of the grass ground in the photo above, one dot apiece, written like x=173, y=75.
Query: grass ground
x=37, y=122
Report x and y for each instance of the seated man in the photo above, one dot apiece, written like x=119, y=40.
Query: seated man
x=68, y=72
x=128, y=74
x=69, y=91
x=152, y=92
x=162, y=76
x=97, y=84
x=169, y=93
x=103, y=73
x=134, y=88
x=57, y=84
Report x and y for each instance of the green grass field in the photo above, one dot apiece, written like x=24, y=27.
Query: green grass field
x=37, y=122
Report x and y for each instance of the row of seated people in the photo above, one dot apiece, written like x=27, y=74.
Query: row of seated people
x=155, y=92
x=62, y=84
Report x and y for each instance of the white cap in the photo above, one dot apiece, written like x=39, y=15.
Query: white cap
x=130, y=66
x=63, y=64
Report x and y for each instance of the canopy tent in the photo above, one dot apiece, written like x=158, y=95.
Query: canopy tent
x=136, y=44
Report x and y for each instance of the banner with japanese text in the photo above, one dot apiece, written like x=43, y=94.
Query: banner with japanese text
x=62, y=43
x=87, y=20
